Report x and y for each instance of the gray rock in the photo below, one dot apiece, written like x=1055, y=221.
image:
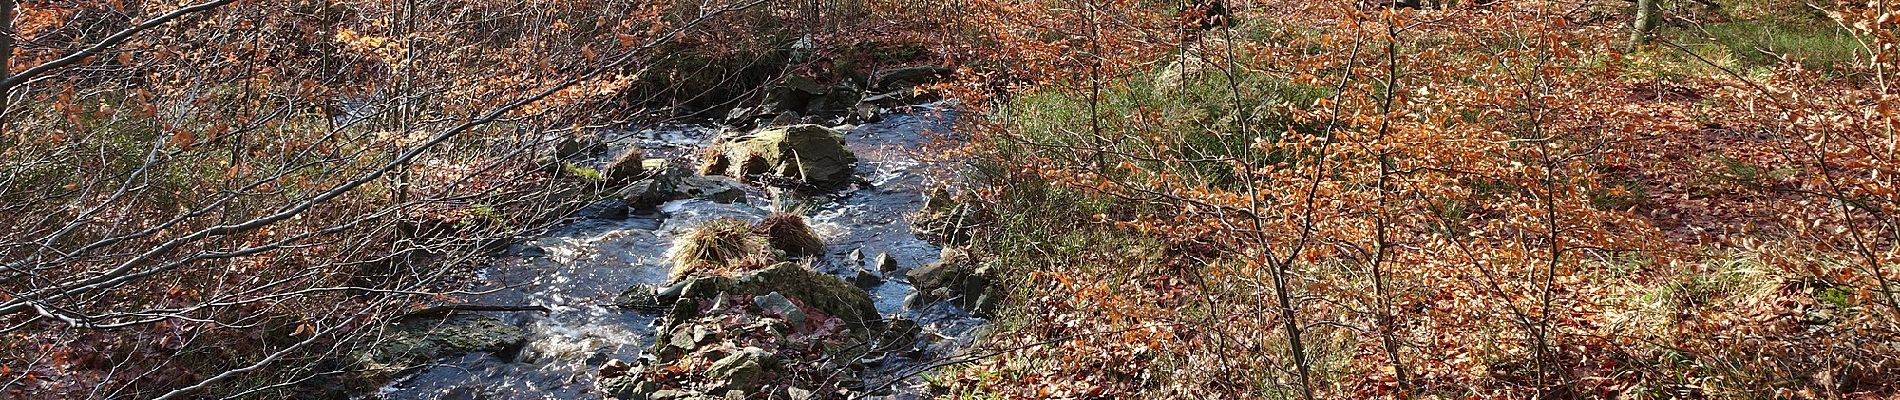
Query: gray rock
x=885, y=263
x=793, y=393
x=667, y=181
x=640, y=297
x=604, y=209
x=628, y=388
x=944, y=220
x=742, y=370
x=671, y=394
x=776, y=304
x=956, y=277
x=716, y=189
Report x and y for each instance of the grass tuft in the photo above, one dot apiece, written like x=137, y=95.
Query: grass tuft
x=789, y=233
x=724, y=245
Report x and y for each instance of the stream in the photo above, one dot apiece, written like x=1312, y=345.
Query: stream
x=578, y=268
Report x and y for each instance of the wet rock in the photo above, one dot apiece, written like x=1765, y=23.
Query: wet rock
x=420, y=340
x=866, y=112
x=628, y=388
x=866, y=279
x=715, y=189
x=576, y=146
x=944, y=220
x=893, y=80
x=640, y=297
x=604, y=209
x=668, y=181
x=627, y=166
x=744, y=116
x=838, y=101
x=812, y=154
x=958, y=278
x=885, y=263
x=899, y=334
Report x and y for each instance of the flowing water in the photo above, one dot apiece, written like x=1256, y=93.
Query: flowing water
x=577, y=269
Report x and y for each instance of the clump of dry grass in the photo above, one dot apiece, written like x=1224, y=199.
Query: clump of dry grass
x=789, y=233
x=723, y=245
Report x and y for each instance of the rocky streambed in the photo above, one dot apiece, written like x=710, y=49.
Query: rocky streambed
x=630, y=314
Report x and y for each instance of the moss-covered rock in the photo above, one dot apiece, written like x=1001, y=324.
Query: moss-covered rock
x=755, y=334
x=825, y=292
x=420, y=340
x=812, y=154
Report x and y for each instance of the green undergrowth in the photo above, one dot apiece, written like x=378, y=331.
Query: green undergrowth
x=1757, y=34
x=1189, y=111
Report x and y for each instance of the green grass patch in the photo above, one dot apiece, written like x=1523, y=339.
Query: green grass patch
x=1190, y=111
x=1765, y=42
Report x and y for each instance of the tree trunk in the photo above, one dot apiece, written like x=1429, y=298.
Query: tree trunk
x=1648, y=14
x=6, y=58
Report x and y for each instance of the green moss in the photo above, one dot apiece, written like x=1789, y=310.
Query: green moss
x=582, y=171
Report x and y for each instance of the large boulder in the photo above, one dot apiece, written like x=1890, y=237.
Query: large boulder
x=812, y=154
